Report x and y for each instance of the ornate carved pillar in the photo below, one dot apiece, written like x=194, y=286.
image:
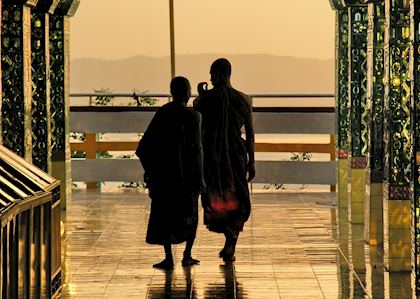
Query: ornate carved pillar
x=398, y=154
x=41, y=115
x=41, y=129
x=357, y=84
x=376, y=93
x=342, y=100
x=1, y=91
x=60, y=94
x=16, y=76
x=415, y=102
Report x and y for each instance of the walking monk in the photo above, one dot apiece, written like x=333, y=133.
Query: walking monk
x=228, y=158
x=172, y=157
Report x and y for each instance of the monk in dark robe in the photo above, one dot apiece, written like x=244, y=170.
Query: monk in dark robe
x=172, y=157
x=228, y=158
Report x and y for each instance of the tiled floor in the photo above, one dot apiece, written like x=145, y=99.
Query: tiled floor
x=291, y=247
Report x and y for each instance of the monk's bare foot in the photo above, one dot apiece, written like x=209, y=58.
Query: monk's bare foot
x=164, y=265
x=229, y=258
x=189, y=261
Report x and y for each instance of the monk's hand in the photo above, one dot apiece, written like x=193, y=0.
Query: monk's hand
x=251, y=171
x=202, y=87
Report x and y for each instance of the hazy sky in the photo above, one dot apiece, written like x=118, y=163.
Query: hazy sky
x=114, y=29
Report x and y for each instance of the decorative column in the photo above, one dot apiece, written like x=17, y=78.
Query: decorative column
x=398, y=155
x=357, y=84
x=16, y=76
x=41, y=115
x=376, y=93
x=415, y=102
x=357, y=257
x=343, y=239
x=60, y=94
x=375, y=283
x=342, y=100
x=1, y=121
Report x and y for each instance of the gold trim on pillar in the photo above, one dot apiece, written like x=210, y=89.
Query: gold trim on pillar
x=357, y=179
x=343, y=180
x=397, y=230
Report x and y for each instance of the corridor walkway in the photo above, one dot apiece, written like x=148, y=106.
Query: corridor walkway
x=289, y=249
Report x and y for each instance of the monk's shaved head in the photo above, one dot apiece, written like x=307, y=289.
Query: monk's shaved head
x=220, y=71
x=222, y=66
x=180, y=89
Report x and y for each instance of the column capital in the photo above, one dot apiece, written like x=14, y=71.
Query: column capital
x=343, y=4
x=47, y=6
x=337, y=4
x=352, y=3
x=30, y=3
x=67, y=7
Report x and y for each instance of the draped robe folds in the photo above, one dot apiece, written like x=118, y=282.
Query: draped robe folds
x=171, y=154
x=225, y=112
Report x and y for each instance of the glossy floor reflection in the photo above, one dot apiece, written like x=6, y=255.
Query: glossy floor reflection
x=295, y=245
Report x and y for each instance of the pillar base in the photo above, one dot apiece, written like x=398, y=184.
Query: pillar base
x=397, y=228
x=357, y=194
x=343, y=180
x=357, y=256
x=61, y=170
x=376, y=219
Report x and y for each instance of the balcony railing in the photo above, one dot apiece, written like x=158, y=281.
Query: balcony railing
x=30, y=259
x=304, y=119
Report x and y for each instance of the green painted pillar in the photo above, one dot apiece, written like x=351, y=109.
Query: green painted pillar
x=16, y=77
x=357, y=84
x=398, y=152
x=415, y=101
x=376, y=94
x=41, y=114
x=342, y=103
x=60, y=94
x=1, y=91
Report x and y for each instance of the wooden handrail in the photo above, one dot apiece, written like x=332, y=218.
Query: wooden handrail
x=30, y=228
x=259, y=147
x=104, y=146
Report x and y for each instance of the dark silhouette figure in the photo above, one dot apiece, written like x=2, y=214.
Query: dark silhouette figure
x=172, y=157
x=228, y=158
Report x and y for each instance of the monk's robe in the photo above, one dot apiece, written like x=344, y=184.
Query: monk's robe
x=171, y=154
x=225, y=112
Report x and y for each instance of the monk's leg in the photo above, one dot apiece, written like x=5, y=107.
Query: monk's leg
x=228, y=251
x=188, y=260
x=168, y=252
x=168, y=262
x=222, y=252
x=188, y=248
